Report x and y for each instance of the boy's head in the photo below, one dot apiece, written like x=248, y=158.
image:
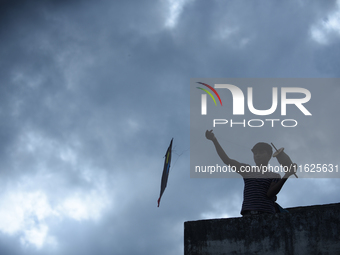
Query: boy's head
x=262, y=153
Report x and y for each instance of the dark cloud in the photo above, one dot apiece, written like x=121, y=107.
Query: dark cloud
x=91, y=94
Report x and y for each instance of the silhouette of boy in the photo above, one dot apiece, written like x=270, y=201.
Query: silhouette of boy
x=260, y=187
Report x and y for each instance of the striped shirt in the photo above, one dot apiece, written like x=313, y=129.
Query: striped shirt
x=256, y=186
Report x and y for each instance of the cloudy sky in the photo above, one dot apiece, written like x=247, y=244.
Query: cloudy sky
x=91, y=93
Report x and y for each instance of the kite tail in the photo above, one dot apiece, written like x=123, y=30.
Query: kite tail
x=159, y=200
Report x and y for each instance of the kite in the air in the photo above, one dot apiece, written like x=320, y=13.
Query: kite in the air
x=165, y=171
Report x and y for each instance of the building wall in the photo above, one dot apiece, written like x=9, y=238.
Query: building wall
x=304, y=230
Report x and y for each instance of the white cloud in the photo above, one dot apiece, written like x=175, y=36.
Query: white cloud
x=83, y=206
x=29, y=207
x=26, y=213
x=175, y=10
x=324, y=31
x=35, y=236
x=29, y=213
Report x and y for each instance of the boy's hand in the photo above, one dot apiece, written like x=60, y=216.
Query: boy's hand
x=209, y=135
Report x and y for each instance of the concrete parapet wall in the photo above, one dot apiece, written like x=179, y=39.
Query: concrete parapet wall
x=304, y=230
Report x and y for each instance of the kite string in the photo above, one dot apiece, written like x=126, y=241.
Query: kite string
x=188, y=149
x=179, y=155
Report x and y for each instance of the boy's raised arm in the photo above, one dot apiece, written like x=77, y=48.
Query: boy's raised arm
x=224, y=157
